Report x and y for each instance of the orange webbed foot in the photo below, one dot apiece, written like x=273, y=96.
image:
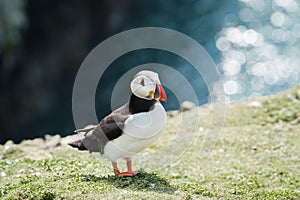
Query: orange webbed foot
x=129, y=173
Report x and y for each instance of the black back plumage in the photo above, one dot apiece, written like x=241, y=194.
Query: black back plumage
x=112, y=125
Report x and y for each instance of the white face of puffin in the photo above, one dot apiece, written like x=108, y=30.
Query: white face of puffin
x=143, y=87
x=146, y=85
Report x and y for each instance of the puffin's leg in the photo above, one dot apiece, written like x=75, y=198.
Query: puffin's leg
x=129, y=164
x=129, y=167
x=130, y=172
x=116, y=169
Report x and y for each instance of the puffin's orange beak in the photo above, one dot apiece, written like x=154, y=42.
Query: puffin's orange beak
x=163, y=96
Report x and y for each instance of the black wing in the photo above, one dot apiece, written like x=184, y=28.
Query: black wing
x=108, y=129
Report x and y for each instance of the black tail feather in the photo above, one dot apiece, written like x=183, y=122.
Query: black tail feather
x=78, y=144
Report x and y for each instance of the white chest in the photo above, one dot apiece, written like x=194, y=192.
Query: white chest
x=139, y=132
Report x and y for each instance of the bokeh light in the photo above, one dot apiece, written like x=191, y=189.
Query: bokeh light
x=230, y=87
x=260, y=45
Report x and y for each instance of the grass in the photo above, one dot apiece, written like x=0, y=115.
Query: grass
x=257, y=156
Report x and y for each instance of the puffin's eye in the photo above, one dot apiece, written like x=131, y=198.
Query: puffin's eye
x=142, y=82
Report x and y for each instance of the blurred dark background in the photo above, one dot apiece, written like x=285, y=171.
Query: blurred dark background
x=43, y=43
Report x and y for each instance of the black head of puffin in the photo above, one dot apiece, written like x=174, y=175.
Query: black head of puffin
x=146, y=85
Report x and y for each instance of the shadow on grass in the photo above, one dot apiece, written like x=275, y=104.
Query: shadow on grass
x=143, y=181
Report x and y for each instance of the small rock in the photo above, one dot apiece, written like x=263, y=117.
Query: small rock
x=187, y=105
x=48, y=137
x=254, y=148
x=172, y=113
x=292, y=97
x=39, y=142
x=52, y=141
x=255, y=104
x=9, y=143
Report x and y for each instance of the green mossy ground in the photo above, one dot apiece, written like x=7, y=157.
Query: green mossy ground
x=257, y=156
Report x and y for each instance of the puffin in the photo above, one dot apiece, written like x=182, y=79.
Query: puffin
x=132, y=127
